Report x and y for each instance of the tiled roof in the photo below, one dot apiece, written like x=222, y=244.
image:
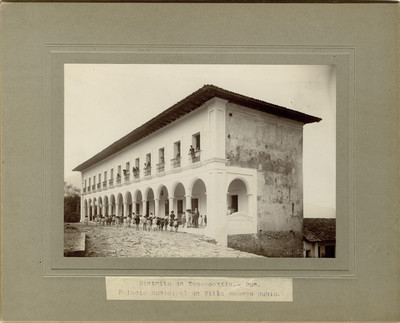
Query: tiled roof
x=187, y=105
x=318, y=229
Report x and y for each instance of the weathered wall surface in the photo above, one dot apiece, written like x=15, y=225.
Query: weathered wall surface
x=269, y=244
x=273, y=146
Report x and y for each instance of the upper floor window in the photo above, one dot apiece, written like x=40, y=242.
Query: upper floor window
x=119, y=174
x=147, y=165
x=196, y=141
x=194, y=150
x=176, y=161
x=135, y=168
x=161, y=164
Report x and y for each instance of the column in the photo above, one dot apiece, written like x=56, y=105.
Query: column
x=216, y=207
x=134, y=206
x=83, y=210
x=110, y=209
x=117, y=212
x=156, y=207
x=144, y=205
x=126, y=209
x=188, y=199
x=171, y=204
x=104, y=209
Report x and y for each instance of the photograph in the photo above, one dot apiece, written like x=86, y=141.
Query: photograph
x=199, y=161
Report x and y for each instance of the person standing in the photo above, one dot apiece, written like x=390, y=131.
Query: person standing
x=196, y=218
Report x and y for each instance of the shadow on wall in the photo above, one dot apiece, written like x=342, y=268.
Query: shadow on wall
x=269, y=244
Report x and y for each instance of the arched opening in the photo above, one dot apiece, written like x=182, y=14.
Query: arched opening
x=106, y=206
x=237, y=198
x=128, y=203
x=120, y=205
x=100, y=207
x=90, y=209
x=179, y=197
x=85, y=208
x=95, y=207
x=199, y=197
x=112, y=208
x=138, y=208
x=150, y=204
x=164, y=206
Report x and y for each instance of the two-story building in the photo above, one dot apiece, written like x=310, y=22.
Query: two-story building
x=236, y=159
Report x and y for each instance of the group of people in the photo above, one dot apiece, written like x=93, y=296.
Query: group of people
x=155, y=223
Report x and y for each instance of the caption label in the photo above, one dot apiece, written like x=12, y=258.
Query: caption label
x=200, y=289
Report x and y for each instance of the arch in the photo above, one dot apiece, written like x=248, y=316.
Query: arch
x=100, y=206
x=242, y=179
x=106, y=205
x=237, y=197
x=119, y=205
x=150, y=201
x=162, y=206
x=199, y=196
x=138, y=197
x=112, y=206
x=128, y=203
x=161, y=190
x=193, y=182
x=179, y=196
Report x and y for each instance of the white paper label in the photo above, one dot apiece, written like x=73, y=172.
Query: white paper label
x=200, y=289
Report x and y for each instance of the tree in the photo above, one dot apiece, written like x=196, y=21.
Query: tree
x=71, y=203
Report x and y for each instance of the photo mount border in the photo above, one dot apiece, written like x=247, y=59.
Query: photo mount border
x=344, y=60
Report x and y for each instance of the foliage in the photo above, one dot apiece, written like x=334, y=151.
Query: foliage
x=71, y=203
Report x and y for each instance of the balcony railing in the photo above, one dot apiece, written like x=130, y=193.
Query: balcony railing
x=84, y=190
x=136, y=174
x=93, y=187
x=127, y=177
x=105, y=184
x=111, y=182
x=118, y=179
x=88, y=188
x=98, y=186
x=160, y=167
x=147, y=171
x=176, y=162
x=195, y=156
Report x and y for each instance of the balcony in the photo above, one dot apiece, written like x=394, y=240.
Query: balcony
x=160, y=167
x=118, y=179
x=111, y=182
x=84, y=190
x=195, y=156
x=105, y=184
x=88, y=189
x=93, y=187
x=98, y=186
x=127, y=177
x=147, y=171
x=136, y=173
x=176, y=162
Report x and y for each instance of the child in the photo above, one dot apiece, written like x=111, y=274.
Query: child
x=176, y=224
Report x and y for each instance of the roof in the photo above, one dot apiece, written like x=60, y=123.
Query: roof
x=318, y=229
x=187, y=105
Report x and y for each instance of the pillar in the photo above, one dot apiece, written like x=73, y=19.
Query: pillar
x=188, y=203
x=156, y=207
x=144, y=206
x=83, y=210
x=216, y=207
x=126, y=209
x=171, y=204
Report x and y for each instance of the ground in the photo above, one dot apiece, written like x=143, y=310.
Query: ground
x=112, y=241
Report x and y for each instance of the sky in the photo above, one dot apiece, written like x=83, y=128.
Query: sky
x=103, y=102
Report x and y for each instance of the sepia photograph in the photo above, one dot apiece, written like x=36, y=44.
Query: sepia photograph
x=196, y=161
